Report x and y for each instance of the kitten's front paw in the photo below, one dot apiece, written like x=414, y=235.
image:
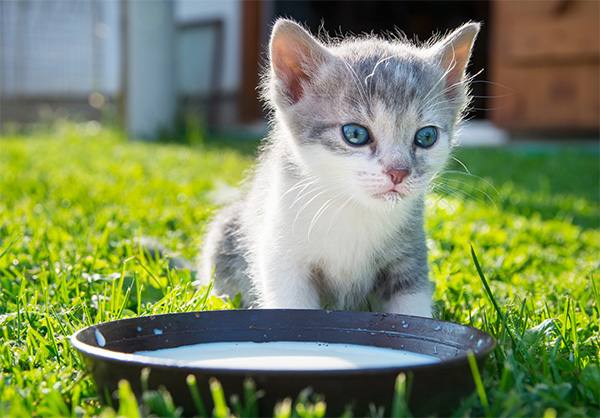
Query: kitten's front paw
x=415, y=304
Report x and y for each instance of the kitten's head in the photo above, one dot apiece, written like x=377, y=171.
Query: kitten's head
x=368, y=117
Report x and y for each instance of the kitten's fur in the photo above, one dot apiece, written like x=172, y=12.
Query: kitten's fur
x=320, y=225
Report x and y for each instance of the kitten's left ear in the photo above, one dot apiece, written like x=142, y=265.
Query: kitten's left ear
x=454, y=52
x=295, y=56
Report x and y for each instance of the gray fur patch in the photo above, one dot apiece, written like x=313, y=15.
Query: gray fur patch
x=224, y=252
x=390, y=282
x=335, y=144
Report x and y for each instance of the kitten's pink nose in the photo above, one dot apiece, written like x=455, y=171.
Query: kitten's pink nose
x=398, y=174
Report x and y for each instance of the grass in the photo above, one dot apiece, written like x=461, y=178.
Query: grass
x=74, y=201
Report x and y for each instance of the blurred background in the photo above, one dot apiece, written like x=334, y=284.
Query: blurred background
x=148, y=65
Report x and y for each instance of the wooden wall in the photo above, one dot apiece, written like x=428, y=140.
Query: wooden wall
x=544, y=64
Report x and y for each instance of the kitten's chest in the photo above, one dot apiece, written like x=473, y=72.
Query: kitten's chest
x=346, y=244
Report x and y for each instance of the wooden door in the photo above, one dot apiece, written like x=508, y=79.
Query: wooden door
x=544, y=59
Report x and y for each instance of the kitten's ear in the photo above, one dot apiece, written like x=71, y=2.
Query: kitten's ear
x=454, y=52
x=295, y=55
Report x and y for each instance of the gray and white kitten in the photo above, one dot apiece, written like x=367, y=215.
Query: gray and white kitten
x=333, y=214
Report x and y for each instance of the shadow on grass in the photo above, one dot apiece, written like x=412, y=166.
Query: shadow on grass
x=192, y=132
x=551, y=181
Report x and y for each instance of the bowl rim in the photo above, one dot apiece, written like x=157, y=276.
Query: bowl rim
x=142, y=361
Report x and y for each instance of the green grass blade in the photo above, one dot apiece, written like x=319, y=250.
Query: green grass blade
x=10, y=245
x=221, y=409
x=486, y=286
x=128, y=406
x=283, y=409
x=478, y=382
x=490, y=295
x=251, y=396
x=195, y=393
x=401, y=394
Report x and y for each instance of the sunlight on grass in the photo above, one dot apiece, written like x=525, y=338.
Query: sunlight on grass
x=74, y=203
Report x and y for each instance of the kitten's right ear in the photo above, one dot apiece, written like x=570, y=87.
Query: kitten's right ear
x=455, y=51
x=295, y=55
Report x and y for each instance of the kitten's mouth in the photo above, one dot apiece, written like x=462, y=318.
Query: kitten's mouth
x=392, y=196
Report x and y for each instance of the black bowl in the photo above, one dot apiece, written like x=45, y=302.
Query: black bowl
x=435, y=388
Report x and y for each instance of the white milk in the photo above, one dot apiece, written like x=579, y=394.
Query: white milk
x=288, y=355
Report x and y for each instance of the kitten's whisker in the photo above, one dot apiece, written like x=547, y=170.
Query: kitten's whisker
x=320, y=212
x=451, y=189
x=465, y=80
x=462, y=164
x=493, y=83
x=455, y=193
x=493, y=97
x=302, y=183
x=477, y=74
x=448, y=205
x=469, y=174
x=445, y=182
x=451, y=108
x=432, y=202
x=488, y=109
x=306, y=204
x=301, y=194
x=299, y=198
x=338, y=211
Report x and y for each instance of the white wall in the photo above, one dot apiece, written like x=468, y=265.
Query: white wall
x=151, y=94
x=108, y=31
x=59, y=48
x=230, y=12
x=48, y=47
x=67, y=49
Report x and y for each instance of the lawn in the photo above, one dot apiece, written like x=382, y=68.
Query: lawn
x=74, y=200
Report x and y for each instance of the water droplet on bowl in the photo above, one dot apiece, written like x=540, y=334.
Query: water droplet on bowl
x=100, y=338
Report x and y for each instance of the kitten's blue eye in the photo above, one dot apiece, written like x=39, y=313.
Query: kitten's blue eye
x=426, y=137
x=356, y=134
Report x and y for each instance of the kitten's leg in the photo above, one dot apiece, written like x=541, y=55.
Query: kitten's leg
x=404, y=286
x=417, y=304
x=285, y=285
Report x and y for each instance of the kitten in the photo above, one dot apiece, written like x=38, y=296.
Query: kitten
x=333, y=214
